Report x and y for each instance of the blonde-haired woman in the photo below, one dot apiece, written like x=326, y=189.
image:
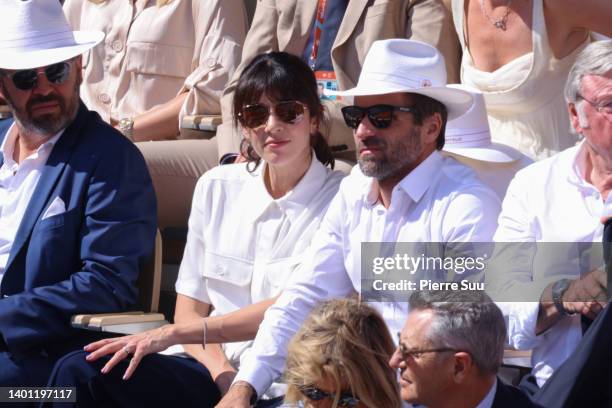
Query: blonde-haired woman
x=161, y=60
x=340, y=358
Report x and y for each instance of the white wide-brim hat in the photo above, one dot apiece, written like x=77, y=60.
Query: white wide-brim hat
x=470, y=136
x=400, y=65
x=35, y=33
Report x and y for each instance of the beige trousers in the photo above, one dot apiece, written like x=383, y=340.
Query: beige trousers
x=175, y=167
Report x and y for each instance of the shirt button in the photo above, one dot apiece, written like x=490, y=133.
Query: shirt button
x=117, y=46
x=211, y=62
x=104, y=98
x=220, y=270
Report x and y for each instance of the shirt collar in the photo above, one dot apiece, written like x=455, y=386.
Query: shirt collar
x=416, y=183
x=8, y=144
x=488, y=400
x=578, y=160
x=291, y=203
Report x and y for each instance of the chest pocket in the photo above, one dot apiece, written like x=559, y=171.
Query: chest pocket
x=270, y=278
x=227, y=277
x=159, y=59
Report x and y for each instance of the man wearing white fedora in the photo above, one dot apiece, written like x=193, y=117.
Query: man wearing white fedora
x=402, y=190
x=77, y=208
x=468, y=140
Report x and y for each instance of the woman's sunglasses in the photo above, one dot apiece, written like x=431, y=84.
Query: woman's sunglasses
x=256, y=115
x=28, y=78
x=313, y=393
x=380, y=116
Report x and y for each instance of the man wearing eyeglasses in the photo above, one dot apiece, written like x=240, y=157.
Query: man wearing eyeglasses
x=450, y=351
x=561, y=199
x=402, y=190
x=77, y=208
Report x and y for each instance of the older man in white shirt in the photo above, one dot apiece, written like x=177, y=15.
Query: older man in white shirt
x=403, y=190
x=562, y=199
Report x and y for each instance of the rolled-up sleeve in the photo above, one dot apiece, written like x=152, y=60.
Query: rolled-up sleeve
x=220, y=30
x=190, y=281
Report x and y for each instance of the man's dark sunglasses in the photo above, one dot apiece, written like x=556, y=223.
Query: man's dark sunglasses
x=27, y=79
x=315, y=394
x=380, y=116
x=256, y=115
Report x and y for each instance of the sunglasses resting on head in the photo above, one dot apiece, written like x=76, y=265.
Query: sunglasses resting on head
x=346, y=399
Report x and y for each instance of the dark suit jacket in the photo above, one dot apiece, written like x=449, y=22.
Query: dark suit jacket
x=584, y=380
x=507, y=396
x=87, y=259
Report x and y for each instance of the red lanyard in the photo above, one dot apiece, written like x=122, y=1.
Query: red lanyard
x=319, y=20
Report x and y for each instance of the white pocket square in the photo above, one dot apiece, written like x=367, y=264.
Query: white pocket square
x=57, y=207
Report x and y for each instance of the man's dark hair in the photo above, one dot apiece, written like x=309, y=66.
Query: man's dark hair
x=424, y=106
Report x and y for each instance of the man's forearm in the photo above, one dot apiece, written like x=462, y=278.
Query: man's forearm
x=548, y=314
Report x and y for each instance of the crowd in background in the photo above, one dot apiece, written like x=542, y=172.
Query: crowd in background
x=341, y=122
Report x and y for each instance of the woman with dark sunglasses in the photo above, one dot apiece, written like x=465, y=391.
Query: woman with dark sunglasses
x=339, y=358
x=250, y=227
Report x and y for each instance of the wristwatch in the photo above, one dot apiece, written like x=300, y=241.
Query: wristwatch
x=126, y=126
x=558, y=290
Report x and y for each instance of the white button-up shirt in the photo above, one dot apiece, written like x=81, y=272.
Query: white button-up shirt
x=439, y=201
x=243, y=245
x=549, y=201
x=17, y=184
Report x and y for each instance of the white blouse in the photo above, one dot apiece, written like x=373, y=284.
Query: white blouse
x=243, y=245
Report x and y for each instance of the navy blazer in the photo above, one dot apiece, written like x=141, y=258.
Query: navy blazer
x=507, y=396
x=87, y=259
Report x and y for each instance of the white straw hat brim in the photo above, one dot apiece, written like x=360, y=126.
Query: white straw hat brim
x=457, y=101
x=494, y=152
x=27, y=59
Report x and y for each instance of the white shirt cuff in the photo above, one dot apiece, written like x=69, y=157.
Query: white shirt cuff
x=257, y=375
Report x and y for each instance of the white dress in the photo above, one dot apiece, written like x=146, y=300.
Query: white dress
x=524, y=98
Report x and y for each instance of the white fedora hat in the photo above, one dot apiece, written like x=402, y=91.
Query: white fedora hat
x=400, y=65
x=470, y=136
x=36, y=33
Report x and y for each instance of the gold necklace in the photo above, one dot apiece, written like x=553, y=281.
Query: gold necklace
x=498, y=22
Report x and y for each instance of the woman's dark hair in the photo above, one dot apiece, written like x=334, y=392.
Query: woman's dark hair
x=281, y=77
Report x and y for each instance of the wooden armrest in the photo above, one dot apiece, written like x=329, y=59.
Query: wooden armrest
x=100, y=321
x=207, y=123
x=83, y=320
x=517, y=358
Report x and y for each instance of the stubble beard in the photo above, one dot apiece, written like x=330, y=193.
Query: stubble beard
x=398, y=158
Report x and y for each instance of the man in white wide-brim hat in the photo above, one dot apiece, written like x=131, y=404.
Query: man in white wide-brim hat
x=77, y=208
x=468, y=140
x=402, y=190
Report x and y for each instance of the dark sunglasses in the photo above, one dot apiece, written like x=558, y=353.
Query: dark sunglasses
x=28, y=78
x=315, y=394
x=380, y=116
x=256, y=115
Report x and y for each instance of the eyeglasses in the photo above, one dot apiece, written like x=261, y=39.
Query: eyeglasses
x=315, y=394
x=254, y=116
x=380, y=116
x=604, y=107
x=28, y=78
x=416, y=354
